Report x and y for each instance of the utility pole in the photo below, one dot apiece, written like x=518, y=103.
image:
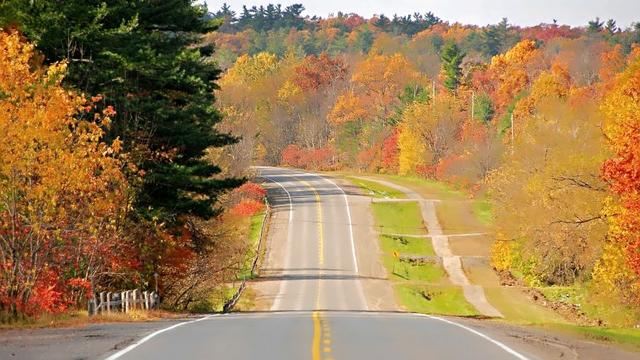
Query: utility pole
x=473, y=104
x=433, y=93
x=512, y=133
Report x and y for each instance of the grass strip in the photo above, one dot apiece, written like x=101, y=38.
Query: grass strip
x=377, y=190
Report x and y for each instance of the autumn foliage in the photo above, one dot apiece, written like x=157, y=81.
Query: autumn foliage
x=296, y=156
x=541, y=119
x=62, y=191
x=621, y=110
x=248, y=199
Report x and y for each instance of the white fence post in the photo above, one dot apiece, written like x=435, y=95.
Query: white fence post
x=135, y=298
x=145, y=296
x=99, y=308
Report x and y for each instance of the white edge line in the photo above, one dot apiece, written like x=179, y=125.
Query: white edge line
x=276, y=303
x=486, y=337
x=353, y=245
x=148, y=337
x=288, y=195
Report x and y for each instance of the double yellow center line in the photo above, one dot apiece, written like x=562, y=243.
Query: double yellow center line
x=321, y=344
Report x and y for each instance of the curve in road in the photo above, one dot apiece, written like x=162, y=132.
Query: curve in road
x=320, y=311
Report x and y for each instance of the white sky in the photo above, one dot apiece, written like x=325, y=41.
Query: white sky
x=479, y=12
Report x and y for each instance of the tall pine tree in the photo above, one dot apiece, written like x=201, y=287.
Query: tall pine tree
x=145, y=58
x=451, y=60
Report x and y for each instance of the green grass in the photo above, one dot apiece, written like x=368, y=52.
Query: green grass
x=595, y=306
x=618, y=335
x=429, y=188
x=406, y=245
x=427, y=272
x=412, y=279
x=399, y=218
x=376, y=190
x=517, y=308
x=445, y=300
x=482, y=210
x=215, y=301
x=254, y=229
x=457, y=213
x=255, y=225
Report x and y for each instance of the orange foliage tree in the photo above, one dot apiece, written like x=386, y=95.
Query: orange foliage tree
x=621, y=109
x=61, y=189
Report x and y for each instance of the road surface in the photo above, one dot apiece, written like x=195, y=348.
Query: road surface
x=320, y=311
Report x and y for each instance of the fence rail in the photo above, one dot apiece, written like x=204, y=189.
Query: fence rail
x=123, y=301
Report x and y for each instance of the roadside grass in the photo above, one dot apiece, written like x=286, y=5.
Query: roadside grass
x=406, y=245
x=457, y=213
x=595, y=306
x=482, y=210
x=413, y=280
x=78, y=318
x=375, y=189
x=626, y=336
x=458, y=217
x=430, y=272
x=215, y=301
x=445, y=300
x=472, y=245
x=399, y=218
x=517, y=308
x=473, y=214
x=430, y=189
x=512, y=302
x=253, y=237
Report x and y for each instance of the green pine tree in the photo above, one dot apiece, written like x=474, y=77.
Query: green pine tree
x=146, y=59
x=451, y=58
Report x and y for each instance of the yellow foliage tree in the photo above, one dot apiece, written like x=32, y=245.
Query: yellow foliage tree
x=248, y=69
x=428, y=131
x=62, y=192
x=410, y=142
x=349, y=107
x=619, y=270
x=547, y=196
x=510, y=70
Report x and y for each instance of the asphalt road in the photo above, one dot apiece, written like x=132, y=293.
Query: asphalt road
x=320, y=311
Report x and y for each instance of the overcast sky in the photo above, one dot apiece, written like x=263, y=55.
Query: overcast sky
x=479, y=12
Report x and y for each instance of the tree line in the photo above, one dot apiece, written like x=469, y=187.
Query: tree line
x=106, y=172
x=524, y=116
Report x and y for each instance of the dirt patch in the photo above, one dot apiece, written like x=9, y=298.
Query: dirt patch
x=478, y=245
x=570, y=312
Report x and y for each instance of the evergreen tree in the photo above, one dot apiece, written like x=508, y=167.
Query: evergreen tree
x=228, y=18
x=145, y=58
x=595, y=26
x=451, y=60
x=483, y=108
x=496, y=39
x=364, y=40
x=611, y=26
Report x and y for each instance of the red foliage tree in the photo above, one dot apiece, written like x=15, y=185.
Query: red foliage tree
x=247, y=207
x=251, y=190
x=316, y=72
x=390, y=152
